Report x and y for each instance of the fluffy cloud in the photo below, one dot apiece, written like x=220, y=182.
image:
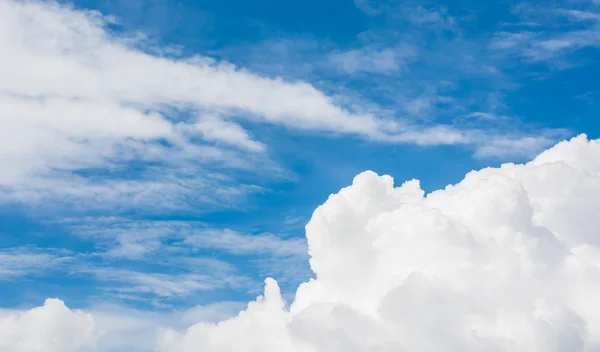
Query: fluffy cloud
x=50, y=328
x=106, y=328
x=506, y=260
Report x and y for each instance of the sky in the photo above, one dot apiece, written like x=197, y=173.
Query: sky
x=159, y=160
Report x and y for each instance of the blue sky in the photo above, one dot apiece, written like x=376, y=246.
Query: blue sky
x=154, y=220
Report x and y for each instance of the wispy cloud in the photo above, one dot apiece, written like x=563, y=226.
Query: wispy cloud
x=127, y=238
x=233, y=242
x=25, y=261
x=525, y=147
x=561, y=31
x=217, y=129
x=94, y=121
x=371, y=7
x=416, y=13
x=81, y=101
x=133, y=263
x=166, y=285
x=372, y=60
x=588, y=97
x=170, y=259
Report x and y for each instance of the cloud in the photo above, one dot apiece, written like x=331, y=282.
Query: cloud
x=133, y=283
x=502, y=261
x=21, y=261
x=505, y=260
x=125, y=329
x=80, y=103
x=89, y=114
x=371, y=7
x=160, y=261
x=372, y=60
x=103, y=327
x=49, y=328
x=119, y=74
x=133, y=239
x=127, y=238
x=587, y=97
x=219, y=130
x=413, y=12
x=560, y=33
x=432, y=17
x=233, y=242
x=523, y=147
x=264, y=323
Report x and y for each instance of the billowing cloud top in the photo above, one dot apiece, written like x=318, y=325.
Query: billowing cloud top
x=506, y=260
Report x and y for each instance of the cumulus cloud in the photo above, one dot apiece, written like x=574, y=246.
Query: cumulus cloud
x=103, y=327
x=50, y=328
x=506, y=260
x=503, y=261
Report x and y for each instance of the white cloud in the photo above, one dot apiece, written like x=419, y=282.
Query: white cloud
x=165, y=188
x=436, y=18
x=371, y=7
x=84, y=62
x=76, y=97
x=50, y=328
x=128, y=238
x=522, y=147
x=236, y=243
x=216, y=129
x=589, y=97
x=506, y=260
x=125, y=329
x=134, y=283
x=264, y=325
x=561, y=32
x=103, y=327
x=24, y=261
x=72, y=94
x=480, y=115
x=503, y=261
x=372, y=60
x=184, y=257
x=415, y=13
